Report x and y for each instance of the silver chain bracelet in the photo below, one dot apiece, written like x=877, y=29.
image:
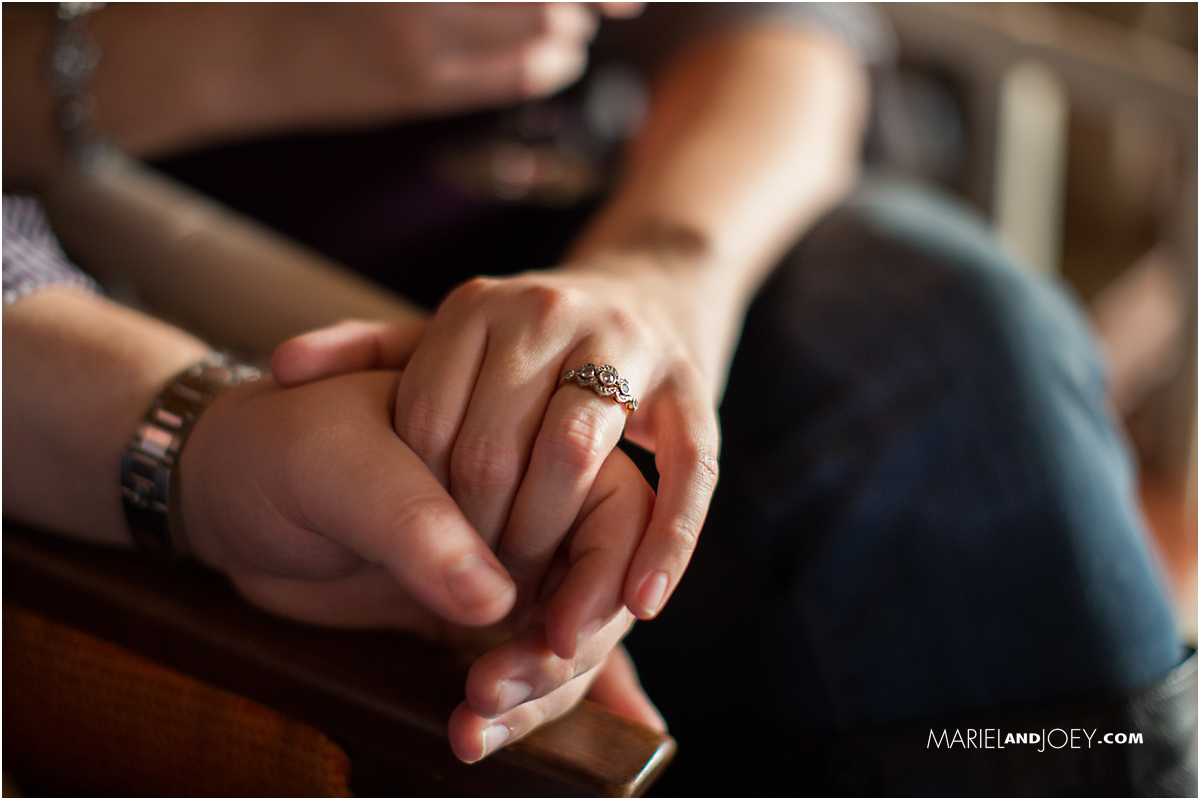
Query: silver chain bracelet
x=71, y=61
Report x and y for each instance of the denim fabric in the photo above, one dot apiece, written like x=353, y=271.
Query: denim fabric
x=924, y=507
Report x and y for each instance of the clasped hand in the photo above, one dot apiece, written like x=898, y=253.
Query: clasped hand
x=317, y=511
x=327, y=515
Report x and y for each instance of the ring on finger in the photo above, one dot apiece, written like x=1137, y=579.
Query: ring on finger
x=605, y=381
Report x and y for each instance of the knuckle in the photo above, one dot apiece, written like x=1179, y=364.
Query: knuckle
x=524, y=559
x=625, y=324
x=565, y=671
x=578, y=441
x=686, y=375
x=682, y=536
x=546, y=305
x=416, y=514
x=708, y=466
x=423, y=428
x=480, y=465
x=469, y=293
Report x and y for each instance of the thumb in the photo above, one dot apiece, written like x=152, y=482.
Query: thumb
x=349, y=346
x=361, y=486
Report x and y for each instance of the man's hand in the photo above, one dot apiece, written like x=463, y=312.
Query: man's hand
x=312, y=486
x=306, y=498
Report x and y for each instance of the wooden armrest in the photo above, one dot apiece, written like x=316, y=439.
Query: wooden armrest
x=383, y=697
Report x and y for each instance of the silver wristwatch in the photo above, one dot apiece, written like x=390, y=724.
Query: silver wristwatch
x=149, y=474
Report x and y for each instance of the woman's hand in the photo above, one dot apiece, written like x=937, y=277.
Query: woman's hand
x=480, y=403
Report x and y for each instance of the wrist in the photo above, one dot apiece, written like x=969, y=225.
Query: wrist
x=81, y=371
x=150, y=465
x=682, y=294
x=702, y=275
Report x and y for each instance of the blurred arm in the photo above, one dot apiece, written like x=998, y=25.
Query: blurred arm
x=751, y=137
x=179, y=75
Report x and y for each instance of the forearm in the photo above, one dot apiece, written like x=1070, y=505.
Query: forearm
x=79, y=372
x=165, y=80
x=180, y=75
x=751, y=137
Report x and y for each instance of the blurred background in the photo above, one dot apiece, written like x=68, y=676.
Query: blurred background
x=1073, y=126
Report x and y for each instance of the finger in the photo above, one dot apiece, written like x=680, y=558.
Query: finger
x=525, y=668
x=492, y=447
x=618, y=689
x=495, y=26
x=687, y=444
x=349, y=346
x=473, y=737
x=369, y=598
x=614, y=519
x=621, y=10
x=436, y=388
x=364, y=488
x=534, y=70
x=578, y=432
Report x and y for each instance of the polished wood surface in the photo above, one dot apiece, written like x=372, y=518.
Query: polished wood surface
x=384, y=697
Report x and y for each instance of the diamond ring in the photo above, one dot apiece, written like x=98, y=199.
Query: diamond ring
x=605, y=382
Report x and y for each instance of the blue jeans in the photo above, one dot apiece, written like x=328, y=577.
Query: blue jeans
x=924, y=509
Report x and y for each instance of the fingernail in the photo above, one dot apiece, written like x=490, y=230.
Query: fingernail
x=475, y=580
x=493, y=737
x=512, y=693
x=653, y=592
x=586, y=633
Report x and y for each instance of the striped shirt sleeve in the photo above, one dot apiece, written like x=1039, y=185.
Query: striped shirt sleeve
x=33, y=258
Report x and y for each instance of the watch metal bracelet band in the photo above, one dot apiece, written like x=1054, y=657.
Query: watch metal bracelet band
x=149, y=478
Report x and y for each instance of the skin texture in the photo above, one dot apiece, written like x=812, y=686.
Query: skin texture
x=752, y=134
x=310, y=503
